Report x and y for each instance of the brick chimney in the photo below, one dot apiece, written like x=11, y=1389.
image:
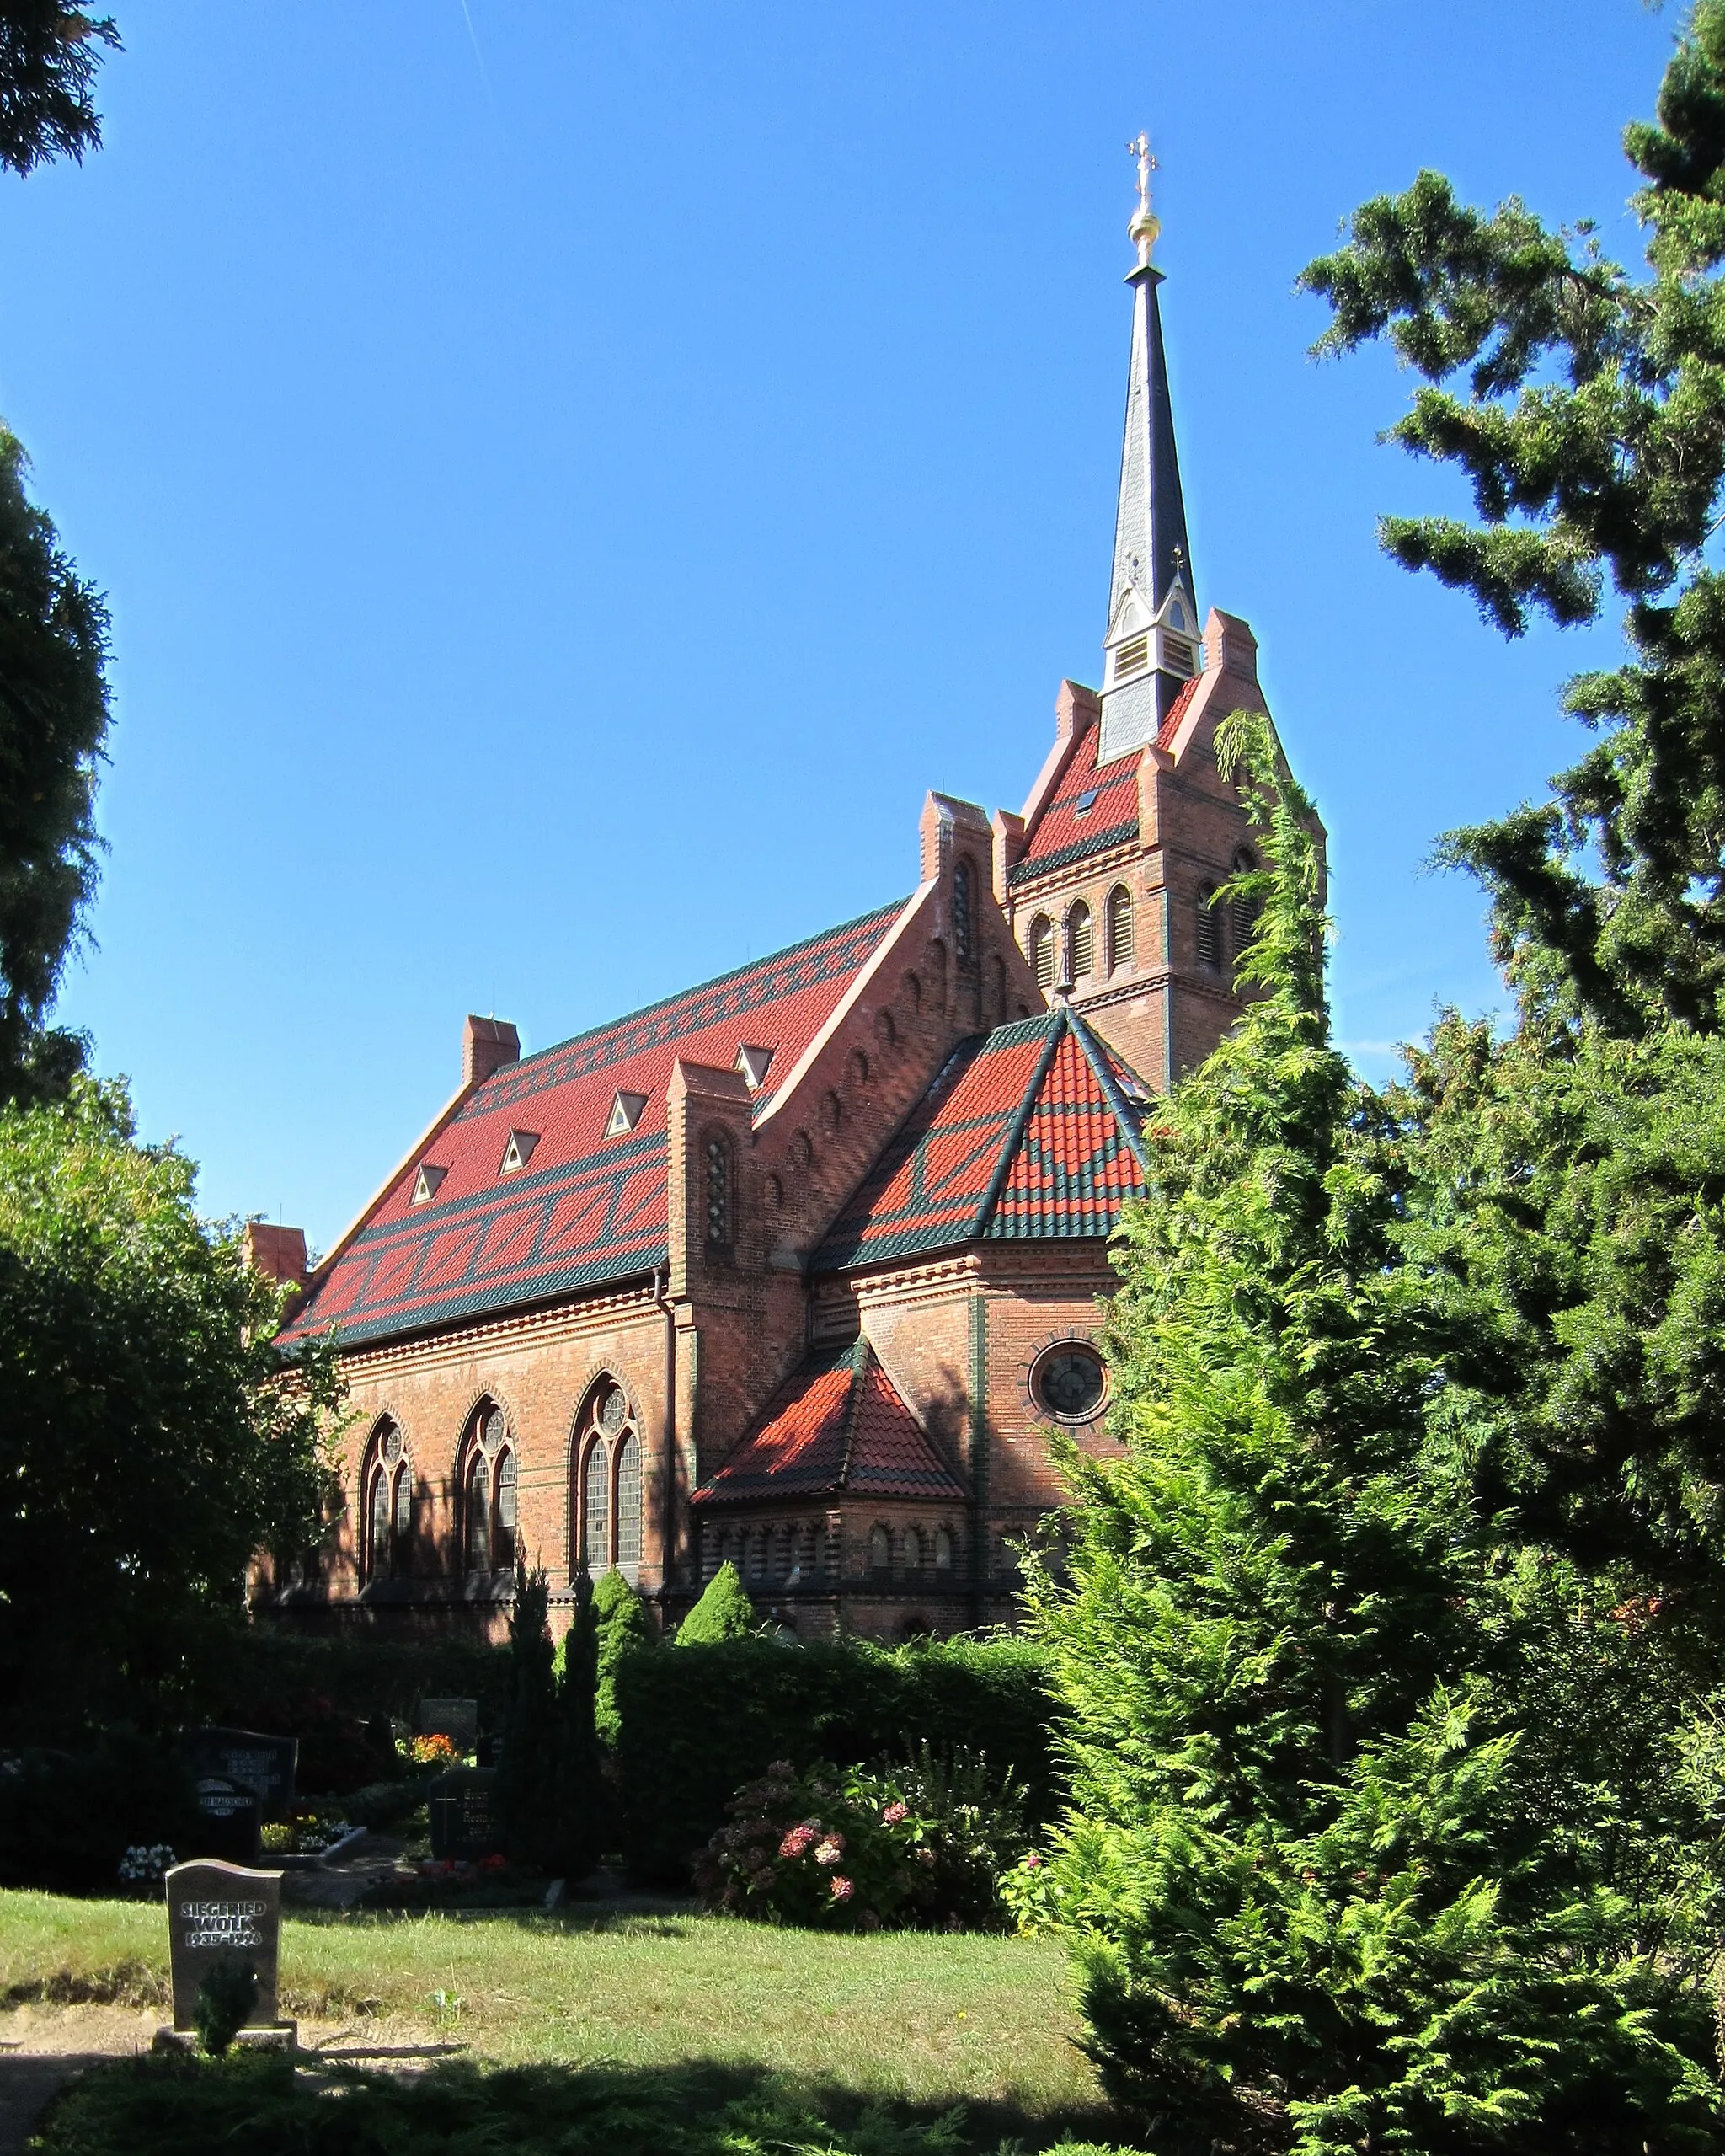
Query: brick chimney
x=487, y=1045
x=277, y=1253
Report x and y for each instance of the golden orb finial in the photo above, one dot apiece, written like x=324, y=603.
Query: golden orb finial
x=1145, y=226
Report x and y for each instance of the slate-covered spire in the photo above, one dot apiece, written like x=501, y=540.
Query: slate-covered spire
x=1151, y=646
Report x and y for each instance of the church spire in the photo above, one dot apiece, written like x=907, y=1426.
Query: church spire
x=1151, y=644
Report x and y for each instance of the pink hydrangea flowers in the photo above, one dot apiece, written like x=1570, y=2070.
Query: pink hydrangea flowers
x=830, y=1850
x=842, y=1889
x=894, y=1813
x=796, y=1841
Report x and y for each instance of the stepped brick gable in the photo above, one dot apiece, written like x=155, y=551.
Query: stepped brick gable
x=804, y=1267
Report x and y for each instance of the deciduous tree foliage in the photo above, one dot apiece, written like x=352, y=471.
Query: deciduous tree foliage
x=1585, y=407
x=1370, y=1846
x=148, y=1445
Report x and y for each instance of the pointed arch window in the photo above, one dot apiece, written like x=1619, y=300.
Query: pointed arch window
x=963, y=913
x=1120, y=948
x=1042, y=951
x=605, y=1513
x=488, y=1492
x=1208, y=929
x=880, y=1549
x=1081, y=934
x=1242, y=907
x=388, y=1505
x=913, y=1551
x=942, y=1549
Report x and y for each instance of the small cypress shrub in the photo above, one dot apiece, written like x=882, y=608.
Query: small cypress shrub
x=583, y=1801
x=621, y=1618
x=527, y=1795
x=224, y=2003
x=724, y=1611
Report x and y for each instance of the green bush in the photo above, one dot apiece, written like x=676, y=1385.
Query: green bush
x=359, y=1672
x=68, y=1818
x=621, y=1617
x=696, y=1726
x=724, y=1611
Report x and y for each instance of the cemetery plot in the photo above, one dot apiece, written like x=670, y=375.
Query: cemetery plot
x=221, y=1914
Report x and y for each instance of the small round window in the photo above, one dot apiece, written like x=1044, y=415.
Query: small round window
x=1070, y=1382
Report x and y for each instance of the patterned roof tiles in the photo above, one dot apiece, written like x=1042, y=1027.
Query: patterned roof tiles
x=588, y=1208
x=1095, y=807
x=837, y=1423
x=1032, y=1129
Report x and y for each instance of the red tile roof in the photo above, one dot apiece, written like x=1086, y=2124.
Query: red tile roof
x=1032, y=1129
x=1095, y=806
x=837, y=1423
x=587, y=1208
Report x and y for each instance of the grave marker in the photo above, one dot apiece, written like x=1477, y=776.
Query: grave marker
x=222, y=1912
x=463, y=1827
x=458, y=1720
x=257, y=1761
x=229, y=1816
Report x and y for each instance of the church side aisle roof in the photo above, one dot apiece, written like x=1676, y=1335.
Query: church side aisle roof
x=1031, y=1130
x=837, y=1423
x=589, y=1208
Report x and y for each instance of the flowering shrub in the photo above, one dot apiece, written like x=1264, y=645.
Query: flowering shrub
x=1028, y=1893
x=308, y=1831
x=145, y=1863
x=856, y=1850
x=430, y=1751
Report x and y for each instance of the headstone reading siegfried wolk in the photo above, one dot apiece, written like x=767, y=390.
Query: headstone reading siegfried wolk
x=218, y=1912
x=258, y=1762
x=228, y=1816
x=463, y=1828
x=458, y=1720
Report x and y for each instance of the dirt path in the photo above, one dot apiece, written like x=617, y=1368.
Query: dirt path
x=42, y=2048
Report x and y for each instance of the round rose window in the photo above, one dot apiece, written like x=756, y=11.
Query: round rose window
x=1071, y=1382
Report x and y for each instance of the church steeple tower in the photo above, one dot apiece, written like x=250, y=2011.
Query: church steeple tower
x=1151, y=644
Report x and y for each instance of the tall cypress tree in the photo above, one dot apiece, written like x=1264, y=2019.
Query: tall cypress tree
x=1306, y=1871
x=527, y=1772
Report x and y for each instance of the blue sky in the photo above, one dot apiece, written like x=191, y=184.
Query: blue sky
x=569, y=476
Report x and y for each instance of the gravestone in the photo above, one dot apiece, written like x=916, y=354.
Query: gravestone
x=222, y=1912
x=458, y=1720
x=463, y=1828
x=228, y=1818
x=264, y=1763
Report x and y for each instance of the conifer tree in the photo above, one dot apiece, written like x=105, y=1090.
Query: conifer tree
x=1317, y=1902
x=527, y=1798
x=621, y=1618
x=1585, y=407
x=583, y=1808
x=724, y=1611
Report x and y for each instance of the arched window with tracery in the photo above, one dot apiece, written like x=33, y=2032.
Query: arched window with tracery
x=487, y=1489
x=1120, y=951
x=716, y=1172
x=963, y=913
x=1208, y=929
x=1042, y=951
x=388, y=1511
x=1242, y=907
x=1080, y=945
x=605, y=1516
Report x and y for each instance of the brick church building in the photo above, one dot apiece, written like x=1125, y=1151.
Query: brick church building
x=802, y=1267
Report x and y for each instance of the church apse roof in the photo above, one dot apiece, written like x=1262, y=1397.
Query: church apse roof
x=1030, y=1131
x=589, y=1203
x=837, y=1423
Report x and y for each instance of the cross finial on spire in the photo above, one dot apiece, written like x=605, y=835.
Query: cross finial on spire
x=1145, y=225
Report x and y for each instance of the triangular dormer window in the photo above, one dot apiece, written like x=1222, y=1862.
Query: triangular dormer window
x=753, y=1063
x=625, y=1114
x=518, y=1152
x=427, y=1184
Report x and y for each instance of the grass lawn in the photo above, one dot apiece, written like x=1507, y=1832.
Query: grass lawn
x=910, y=2018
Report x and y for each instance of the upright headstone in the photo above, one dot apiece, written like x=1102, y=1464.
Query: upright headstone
x=258, y=1762
x=463, y=1827
x=228, y=1817
x=222, y=1912
x=458, y=1720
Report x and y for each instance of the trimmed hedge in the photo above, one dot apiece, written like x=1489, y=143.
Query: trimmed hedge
x=699, y=1722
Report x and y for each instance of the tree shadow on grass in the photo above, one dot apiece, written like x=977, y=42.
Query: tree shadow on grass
x=164, y=2105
